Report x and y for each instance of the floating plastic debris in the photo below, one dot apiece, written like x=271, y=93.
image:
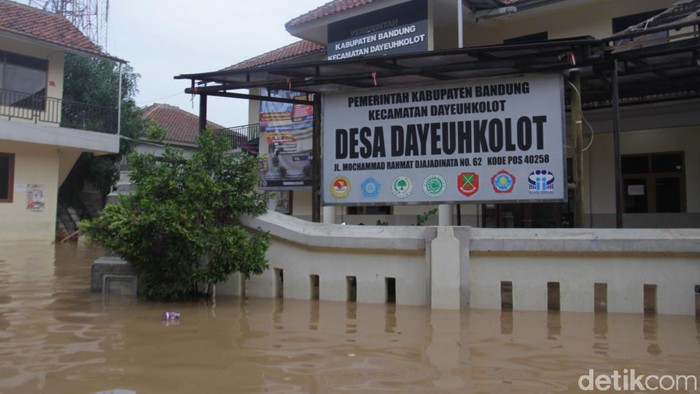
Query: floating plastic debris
x=170, y=316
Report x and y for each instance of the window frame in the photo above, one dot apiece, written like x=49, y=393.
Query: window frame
x=282, y=196
x=29, y=63
x=10, y=177
x=620, y=23
x=650, y=177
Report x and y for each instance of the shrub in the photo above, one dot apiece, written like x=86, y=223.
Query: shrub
x=180, y=226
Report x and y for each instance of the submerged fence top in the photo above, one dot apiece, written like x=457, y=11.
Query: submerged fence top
x=341, y=236
x=480, y=239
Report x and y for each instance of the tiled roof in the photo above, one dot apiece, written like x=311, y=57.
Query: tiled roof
x=327, y=9
x=303, y=47
x=289, y=52
x=33, y=23
x=180, y=126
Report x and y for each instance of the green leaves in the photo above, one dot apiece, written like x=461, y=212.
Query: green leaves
x=179, y=227
x=95, y=81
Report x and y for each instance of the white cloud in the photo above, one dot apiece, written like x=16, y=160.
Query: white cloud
x=164, y=38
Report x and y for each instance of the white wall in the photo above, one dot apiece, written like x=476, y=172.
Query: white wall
x=453, y=267
x=369, y=267
x=302, y=249
x=600, y=176
x=624, y=275
x=34, y=164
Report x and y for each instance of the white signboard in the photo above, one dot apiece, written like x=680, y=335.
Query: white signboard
x=470, y=141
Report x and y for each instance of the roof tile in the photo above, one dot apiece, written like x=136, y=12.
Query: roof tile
x=327, y=9
x=180, y=126
x=286, y=53
x=33, y=23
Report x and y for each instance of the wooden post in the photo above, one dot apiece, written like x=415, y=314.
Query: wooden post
x=576, y=115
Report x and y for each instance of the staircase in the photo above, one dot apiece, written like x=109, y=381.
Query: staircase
x=70, y=211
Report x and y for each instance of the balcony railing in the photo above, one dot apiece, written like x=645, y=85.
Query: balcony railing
x=240, y=135
x=70, y=114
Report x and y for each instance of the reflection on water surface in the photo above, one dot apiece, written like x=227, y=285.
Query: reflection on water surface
x=57, y=337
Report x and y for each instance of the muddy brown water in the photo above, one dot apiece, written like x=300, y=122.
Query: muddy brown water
x=57, y=337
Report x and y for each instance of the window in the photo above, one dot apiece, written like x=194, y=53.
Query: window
x=280, y=201
x=653, y=183
x=23, y=81
x=370, y=210
x=621, y=23
x=7, y=171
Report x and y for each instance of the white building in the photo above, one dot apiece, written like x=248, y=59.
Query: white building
x=41, y=135
x=658, y=88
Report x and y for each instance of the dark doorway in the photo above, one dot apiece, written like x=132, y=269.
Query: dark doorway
x=531, y=215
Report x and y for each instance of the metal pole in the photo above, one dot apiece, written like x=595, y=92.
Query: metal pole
x=202, y=112
x=616, y=143
x=316, y=162
x=460, y=41
x=576, y=117
x=460, y=24
x=119, y=101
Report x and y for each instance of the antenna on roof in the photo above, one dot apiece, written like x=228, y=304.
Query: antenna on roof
x=90, y=16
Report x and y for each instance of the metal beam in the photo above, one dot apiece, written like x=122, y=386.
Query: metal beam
x=255, y=97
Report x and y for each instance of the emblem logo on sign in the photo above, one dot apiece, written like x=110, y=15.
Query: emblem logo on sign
x=468, y=183
x=503, y=182
x=340, y=187
x=370, y=187
x=402, y=187
x=434, y=185
x=540, y=181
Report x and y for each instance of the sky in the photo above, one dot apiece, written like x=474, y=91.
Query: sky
x=164, y=38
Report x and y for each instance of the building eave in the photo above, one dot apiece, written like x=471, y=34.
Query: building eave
x=60, y=137
x=58, y=47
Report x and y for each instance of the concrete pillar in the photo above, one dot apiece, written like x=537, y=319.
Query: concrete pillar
x=328, y=214
x=445, y=270
x=444, y=215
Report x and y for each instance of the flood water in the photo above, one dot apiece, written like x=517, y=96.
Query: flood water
x=57, y=337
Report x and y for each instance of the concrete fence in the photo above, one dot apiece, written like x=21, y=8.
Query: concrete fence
x=581, y=270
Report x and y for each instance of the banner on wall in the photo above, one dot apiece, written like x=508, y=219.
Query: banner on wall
x=35, y=197
x=286, y=141
x=492, y=140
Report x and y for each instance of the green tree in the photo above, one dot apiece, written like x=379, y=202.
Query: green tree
x=423, y=218
x=95, y=81
x=180, y=226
